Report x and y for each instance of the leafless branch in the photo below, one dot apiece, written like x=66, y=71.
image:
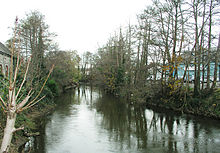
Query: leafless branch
x=25, y=75
x=33, y=101
x=25, y=100
x=26, y=107
x=18, y=129
x=3, y=102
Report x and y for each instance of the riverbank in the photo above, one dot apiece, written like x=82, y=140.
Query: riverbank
x=28, y=118
x=183, y=100
x=205, y=105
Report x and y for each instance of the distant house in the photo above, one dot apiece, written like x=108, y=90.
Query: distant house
x=191, y=70
x=4, y=60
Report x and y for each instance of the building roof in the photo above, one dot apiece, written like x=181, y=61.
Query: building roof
x=4, y=50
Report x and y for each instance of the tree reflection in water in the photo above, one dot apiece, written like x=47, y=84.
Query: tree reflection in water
x=152, y=131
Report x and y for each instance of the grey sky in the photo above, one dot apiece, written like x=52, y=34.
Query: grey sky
x=80, y=24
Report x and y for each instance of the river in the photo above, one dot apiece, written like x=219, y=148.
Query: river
x=88, y=121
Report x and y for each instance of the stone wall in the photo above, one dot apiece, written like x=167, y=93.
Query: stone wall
x=4, y=64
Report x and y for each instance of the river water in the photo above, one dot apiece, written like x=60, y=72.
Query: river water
x=88, y=121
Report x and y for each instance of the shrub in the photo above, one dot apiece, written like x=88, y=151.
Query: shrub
x=52, y=85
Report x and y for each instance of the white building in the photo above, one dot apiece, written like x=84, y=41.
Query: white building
x=5, y=57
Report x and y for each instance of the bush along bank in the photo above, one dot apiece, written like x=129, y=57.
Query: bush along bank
x=175, y=96
x=206, y=103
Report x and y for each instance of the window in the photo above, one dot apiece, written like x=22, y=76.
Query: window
x=1, y=70
x=219, y=72
x=6, y=72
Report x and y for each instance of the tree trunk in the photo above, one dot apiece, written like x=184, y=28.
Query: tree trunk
x=8, y=132
x=197, y=55
x=209, y=45
x=216, y=63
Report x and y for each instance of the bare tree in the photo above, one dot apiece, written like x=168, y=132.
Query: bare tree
x=15, y=103
x=216, y=63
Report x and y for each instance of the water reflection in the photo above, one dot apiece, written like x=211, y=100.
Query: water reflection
x=89, y=121
x=151, y=131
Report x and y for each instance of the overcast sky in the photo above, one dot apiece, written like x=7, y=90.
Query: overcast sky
x=79, y=24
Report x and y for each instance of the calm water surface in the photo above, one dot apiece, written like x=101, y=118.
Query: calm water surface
x=88, y=121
